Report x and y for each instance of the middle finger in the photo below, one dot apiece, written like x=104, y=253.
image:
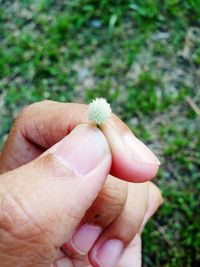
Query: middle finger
x=113, y=241
x=105, y=209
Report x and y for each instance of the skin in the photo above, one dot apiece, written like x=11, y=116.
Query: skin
x=39, y=214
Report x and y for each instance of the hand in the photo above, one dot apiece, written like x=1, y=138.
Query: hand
x=44, y=201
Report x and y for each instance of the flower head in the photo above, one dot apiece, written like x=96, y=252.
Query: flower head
x=99, y=110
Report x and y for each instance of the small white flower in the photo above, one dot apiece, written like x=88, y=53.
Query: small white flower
x=99, y=111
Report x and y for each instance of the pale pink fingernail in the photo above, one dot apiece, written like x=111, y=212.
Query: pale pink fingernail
x=84, y=238
x=82, y=149
x=139, y=151
x=109, y=253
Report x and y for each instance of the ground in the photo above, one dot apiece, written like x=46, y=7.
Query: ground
x=144, y=57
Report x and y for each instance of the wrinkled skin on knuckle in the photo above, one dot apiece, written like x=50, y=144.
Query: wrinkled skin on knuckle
x=43, y=135
x=16, y=141
x=24, y=114
x=109, y=203
x=37, y=105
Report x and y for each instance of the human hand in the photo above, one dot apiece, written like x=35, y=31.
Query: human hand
x=37, y=198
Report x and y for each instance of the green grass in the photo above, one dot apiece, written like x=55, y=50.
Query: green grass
x=144, y=57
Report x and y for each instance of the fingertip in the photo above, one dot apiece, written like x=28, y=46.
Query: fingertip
x=132, y=160
x=127, y=169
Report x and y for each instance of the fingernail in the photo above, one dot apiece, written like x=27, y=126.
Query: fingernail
x=84, y=238
x=139, y=151
x=109, y=253
x=82, y=149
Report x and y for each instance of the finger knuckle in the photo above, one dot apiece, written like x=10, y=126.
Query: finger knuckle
x=35, y=106
x=115, y=193
x=114, y=201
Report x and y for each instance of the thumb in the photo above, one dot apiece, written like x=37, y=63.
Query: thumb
x=42, y=202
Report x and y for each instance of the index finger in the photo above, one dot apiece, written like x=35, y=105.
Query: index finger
x=43, y=124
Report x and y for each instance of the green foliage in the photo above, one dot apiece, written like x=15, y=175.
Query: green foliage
x=144, y=57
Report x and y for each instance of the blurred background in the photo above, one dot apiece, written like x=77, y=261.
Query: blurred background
x=144, y=57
